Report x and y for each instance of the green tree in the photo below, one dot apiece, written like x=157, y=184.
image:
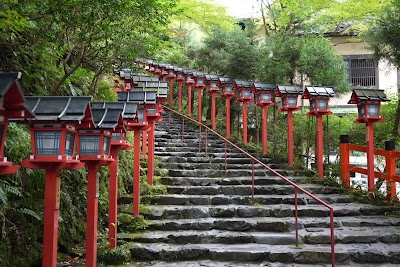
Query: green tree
x=384, y=39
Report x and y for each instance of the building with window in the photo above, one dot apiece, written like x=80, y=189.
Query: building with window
x=362, y=69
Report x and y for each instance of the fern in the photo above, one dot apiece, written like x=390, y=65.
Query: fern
x=31, y=213
x=13, y=190
x=3, y=196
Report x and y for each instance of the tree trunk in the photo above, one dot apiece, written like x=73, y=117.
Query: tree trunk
x=56, y=87
x=95, y=81
x=395, y=131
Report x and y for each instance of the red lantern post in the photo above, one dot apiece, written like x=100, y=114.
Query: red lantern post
x=171, y=76
x=199, y=80
x=289, y=95
x=189, y=82
x=368, y=102
x=212, y=81
x=180, y=78
x=319, y=98
x=264, y=93
x=227, y=93
x=244, y=95
x=12, y=107
x=53, y=136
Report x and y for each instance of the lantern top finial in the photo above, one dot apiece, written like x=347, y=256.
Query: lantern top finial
x=364, y=94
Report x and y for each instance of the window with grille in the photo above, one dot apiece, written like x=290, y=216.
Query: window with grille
x=362, y=72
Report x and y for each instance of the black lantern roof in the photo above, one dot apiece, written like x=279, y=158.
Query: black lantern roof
x=129, y=109
x=11, y=95
x=178, y=69
x=258, y=86
x=156, y=85
x=140, y=97
x=367, y=95
x=312, y=91
x=211, y=77
x=198, y=74
x=169, y=67
x=188, y=71
x=225, y=80
x=141, y=78
x=242, y=84
x=59, y=108
x=290, y=89
x=107, y=118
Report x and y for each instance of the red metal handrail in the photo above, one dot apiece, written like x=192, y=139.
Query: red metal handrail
x=253, y=159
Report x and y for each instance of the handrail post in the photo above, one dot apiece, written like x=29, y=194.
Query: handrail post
x=206, y=141
x=296, y=214
x=252, y=181
x=332, y=237
x=225, y=159
x=344, y=160
x=199, y=138
x=183, y=128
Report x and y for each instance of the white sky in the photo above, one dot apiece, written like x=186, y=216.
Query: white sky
x=241, y=8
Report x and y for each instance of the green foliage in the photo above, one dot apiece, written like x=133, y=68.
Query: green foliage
x=129, y=223
x=383, y=36
x=120, y=255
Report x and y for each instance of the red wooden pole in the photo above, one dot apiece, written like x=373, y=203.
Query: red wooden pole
x=189, y=99
x=150, y=161
x=91, y=215
x=171, y=92
x=264, y=130
x=144, y=142
x=245, y=122
x=228, y=117
x=290, y=138
x=344, y=160
x=51, y=206
x=390, y=172
x=164, y=78
x=113, y=200
x=213, y=111
x=136, y=173
x=370, y=157
x=199, y=100
x=320, y=153
x=180, y=96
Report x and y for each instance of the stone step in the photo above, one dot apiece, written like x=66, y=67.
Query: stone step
x=344, y=235
x=228, y=173
x=197, y=154
x=178, y=199
x=245, y=190
x=203, y=181
x=211, y=236
x=216, y=263
x=212, y=165
x=159, y=212
x=281, y=224
x=304, y=254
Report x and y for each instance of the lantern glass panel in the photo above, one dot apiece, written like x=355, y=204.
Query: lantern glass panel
x=47, y=143
x=69, y=143
x=361, y=111
x=228, y=88
x=246, y=93
x=116, y=136
x=106, y=145
x=266, y=97
x=171, y=73
x=259, y=98
x=312, y=104
x=200, y=81
x=322, y=104
x=283, y=101
x=373, y=110
x=89, y=144
x=292, y=101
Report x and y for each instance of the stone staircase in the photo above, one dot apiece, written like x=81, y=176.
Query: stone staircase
x=207, y=218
